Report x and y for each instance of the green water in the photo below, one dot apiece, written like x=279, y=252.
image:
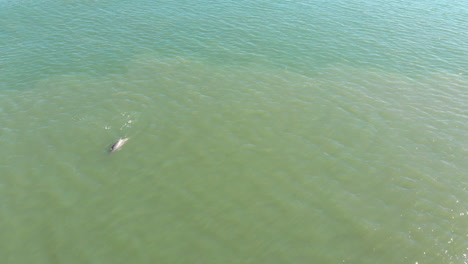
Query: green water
x=260, y=131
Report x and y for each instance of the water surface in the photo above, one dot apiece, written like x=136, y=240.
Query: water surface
x=260, y=132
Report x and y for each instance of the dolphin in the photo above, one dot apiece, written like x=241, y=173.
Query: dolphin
x=118, y=145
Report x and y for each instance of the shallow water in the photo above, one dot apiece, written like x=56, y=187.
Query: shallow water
x=260, y=132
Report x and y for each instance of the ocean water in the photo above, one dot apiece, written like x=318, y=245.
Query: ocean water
x=259, y=131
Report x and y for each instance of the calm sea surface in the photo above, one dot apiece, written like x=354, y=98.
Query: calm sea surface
x=267, y=131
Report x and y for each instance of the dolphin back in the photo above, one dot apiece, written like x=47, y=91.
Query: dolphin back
x=118, y=145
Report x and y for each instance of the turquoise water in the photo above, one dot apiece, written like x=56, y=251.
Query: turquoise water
x=260, y=131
